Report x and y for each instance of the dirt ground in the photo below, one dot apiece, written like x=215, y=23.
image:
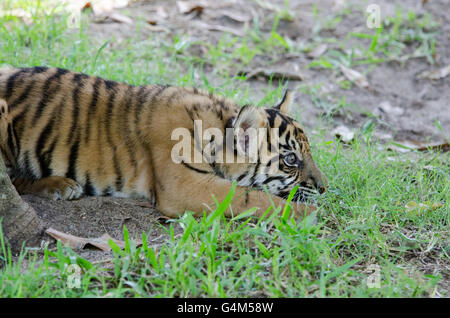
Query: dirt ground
x=418, y=103
x=91, y=217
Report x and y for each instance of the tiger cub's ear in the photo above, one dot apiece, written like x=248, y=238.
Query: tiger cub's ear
x=283, y=106
x=245, y=128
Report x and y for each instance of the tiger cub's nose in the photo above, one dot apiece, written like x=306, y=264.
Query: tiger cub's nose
x=320, y=183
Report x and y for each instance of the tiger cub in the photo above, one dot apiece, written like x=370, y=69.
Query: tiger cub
x=65, y=134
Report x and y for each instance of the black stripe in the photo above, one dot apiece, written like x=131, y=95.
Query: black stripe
x=272, y=115
x=282, y=128
x=28, y=171
x=47, y=158
x=44, y=158
x=195, y=169
x=11, y=140
x=190, y=113
x=16, y=124
x=140, y=101
x=143, y=94
x=255, y=172
x=73, y=157
x=47, y=93
x=288, y=138
x=272, y=146
x=111, y=98
x=242, y=176
x=272, y=160
x=129, y=143
x=160, y=90
x=171, y=97
x=107, y=191
x=225, y=107
x=92, y=107
x=79, y=81
x=216, y=170
x=110, y=85
x=88, y=187
x=119, y=183
x=38, y=69
x=110, y=108
x=285, y=147
x=11, y=81
x=273, y=178
x=22, y=96
x=16, y=139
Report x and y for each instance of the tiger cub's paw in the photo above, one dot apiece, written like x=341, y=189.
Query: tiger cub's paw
x=60, y=188
x=54, y=188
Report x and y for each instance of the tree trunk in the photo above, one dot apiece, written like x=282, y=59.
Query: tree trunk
x=19, y=221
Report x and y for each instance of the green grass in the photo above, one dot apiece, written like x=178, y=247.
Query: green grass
x=400, y=38
x=362, y=220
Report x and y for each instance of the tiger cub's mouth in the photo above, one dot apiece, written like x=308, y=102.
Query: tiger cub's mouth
x=303, y=194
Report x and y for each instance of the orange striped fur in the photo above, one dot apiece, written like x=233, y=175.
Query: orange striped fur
x=66, y=134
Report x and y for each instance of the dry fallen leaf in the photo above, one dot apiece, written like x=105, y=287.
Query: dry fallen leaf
x=276, y=74
x=318, y=51
x=435, y=74
x=160, y=16
x=100, y=7
x=355, y=77
x=162, y=219
x=344, y=134
x=385, y=107
x=232, y=14
x=87, y=5
x=187, y=7
x=412, y=206
x=161, y=12
x=145, y=204
x=103, y=10
x=283, y=71
x=117, y=17
x=339, y=5
x=237, y=16
x=156, y=28
x=216, y=27
x=76, y=242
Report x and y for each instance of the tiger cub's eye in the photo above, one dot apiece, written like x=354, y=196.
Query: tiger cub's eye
x=290, y=159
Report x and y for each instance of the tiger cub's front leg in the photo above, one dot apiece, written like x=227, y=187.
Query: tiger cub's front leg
x=54, y=187
x=179, y=189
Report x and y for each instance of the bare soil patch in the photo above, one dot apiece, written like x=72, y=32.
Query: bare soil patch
x=91, y=217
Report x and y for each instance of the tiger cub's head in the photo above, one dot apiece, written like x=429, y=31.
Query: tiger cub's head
x=280, y=159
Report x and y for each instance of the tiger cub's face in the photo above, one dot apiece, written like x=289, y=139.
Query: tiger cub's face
x=283, y=157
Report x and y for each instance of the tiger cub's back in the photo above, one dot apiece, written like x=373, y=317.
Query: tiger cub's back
x=77, y=126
